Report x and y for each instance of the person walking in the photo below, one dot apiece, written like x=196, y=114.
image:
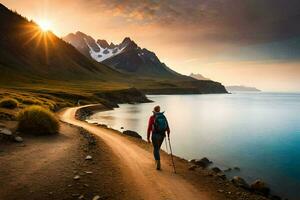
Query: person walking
x=157, y=126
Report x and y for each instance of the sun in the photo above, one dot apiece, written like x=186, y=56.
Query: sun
x=45, y=25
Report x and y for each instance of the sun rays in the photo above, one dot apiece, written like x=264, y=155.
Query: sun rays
x=45, y=25
x=40, y=37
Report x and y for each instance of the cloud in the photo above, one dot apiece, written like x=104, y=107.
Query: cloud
x=227, y=20
x=177, y=29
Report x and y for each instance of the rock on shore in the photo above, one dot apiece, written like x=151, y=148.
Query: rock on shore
x=132, y=134
x=240, y=182
x=260, y=187
x=84, y=112
x=204, y=162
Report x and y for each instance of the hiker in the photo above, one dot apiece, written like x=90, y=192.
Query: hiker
x=158, y=126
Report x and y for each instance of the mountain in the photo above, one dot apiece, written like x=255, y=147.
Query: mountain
x=34, y=60
x=141, y=66
x=98, y=50
x=126, y=57
x=198, y=76
x=241, y=88
x=28, y=53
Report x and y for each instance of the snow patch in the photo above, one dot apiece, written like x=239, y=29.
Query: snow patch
x=104, y=53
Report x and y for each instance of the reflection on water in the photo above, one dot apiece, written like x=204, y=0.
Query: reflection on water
x=108, y=117
x=259, y=132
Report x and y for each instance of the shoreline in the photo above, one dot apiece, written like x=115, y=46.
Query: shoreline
x=117, y=159
x=195, y=164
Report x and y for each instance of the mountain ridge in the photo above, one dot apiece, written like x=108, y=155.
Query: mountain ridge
x=126, y=57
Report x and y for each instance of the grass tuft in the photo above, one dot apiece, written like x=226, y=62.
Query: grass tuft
x=31, y=101
x=9, y=103
x=38, y=121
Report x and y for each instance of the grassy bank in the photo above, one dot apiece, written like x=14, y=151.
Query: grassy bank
x=55, y=96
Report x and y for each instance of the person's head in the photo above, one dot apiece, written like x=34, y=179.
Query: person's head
x=156, y=109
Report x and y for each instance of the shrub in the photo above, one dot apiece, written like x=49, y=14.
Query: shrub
x=9, y=103
x=50, y=106
x=37, y=120
x=32, y=101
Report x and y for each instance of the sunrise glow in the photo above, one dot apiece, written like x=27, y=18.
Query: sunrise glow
x=45, y=25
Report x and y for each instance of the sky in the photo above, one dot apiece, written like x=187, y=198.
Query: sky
x=236, y=42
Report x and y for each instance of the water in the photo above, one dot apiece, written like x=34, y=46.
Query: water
x=258, y=132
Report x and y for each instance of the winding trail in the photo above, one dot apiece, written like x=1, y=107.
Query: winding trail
x=137, y=166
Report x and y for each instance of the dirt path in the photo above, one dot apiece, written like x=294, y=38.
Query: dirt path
x=43, y=168
x=138, y=166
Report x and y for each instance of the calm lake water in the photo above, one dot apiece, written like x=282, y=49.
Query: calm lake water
x=258, y=132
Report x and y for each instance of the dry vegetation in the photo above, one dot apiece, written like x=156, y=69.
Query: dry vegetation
x=8, y=103
x=55, y=95
x=14, y=100
x=37, y=120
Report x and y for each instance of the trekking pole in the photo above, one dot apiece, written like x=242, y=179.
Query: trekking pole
x=171, y=155
x=166, y=145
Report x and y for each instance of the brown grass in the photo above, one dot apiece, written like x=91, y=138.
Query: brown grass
x=9, y=103
x=38, y=121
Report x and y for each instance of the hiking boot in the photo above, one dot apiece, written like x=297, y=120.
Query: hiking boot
x=158, y=164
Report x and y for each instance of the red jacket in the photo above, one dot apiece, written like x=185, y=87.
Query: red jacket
x=150, y=127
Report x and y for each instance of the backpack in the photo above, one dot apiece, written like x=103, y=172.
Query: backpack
x=160, y=123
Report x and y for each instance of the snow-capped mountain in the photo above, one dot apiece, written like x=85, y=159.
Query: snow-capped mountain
x=104, y=52
x=98, y=50
x=126, y=57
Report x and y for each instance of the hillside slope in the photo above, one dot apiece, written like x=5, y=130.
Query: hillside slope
x=26, y=52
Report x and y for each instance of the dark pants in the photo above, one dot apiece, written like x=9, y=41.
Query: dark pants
x=157, y=140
